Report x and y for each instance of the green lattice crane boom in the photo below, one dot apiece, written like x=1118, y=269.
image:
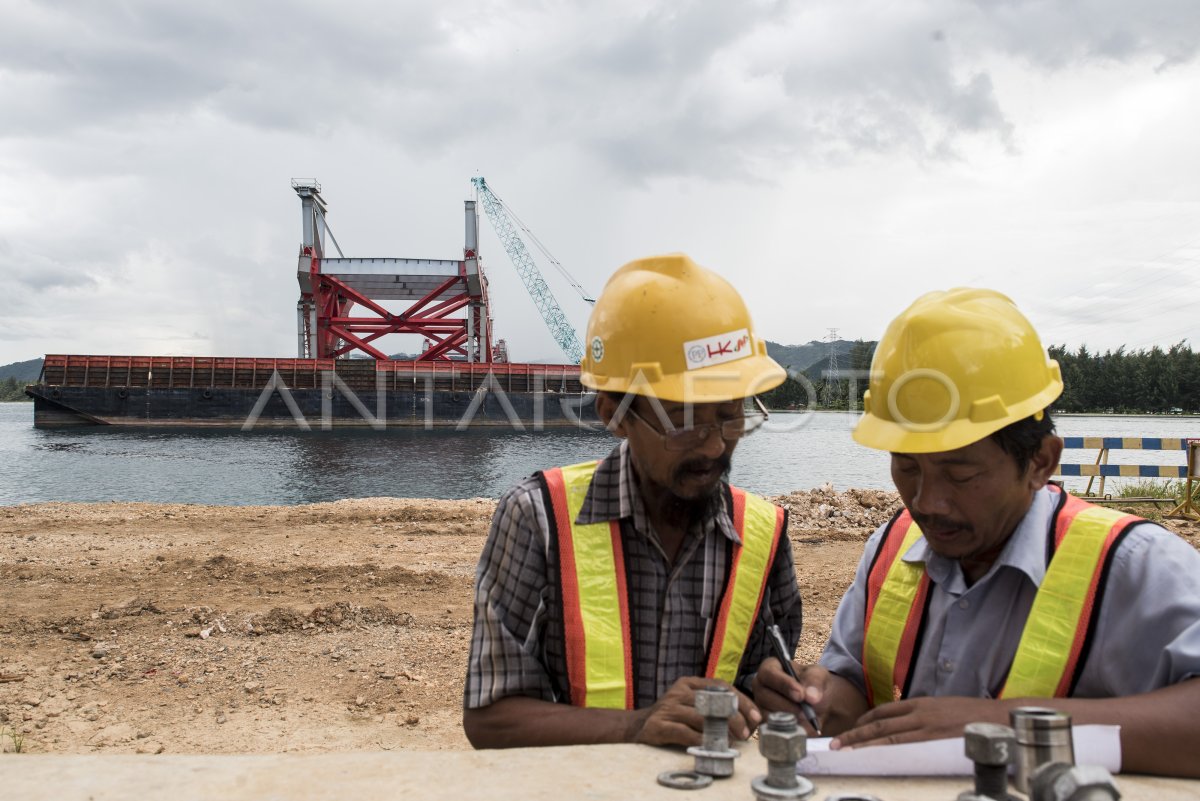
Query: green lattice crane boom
x=502, y=222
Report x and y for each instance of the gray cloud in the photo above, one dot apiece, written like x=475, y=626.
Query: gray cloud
x=34, y=270
x=38, y=274
x=146, y=145
x=1055, y=35
x=270, y=64
x=650, y=89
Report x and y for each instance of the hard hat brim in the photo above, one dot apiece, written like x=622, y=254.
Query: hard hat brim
x=889, y=435
x=717, y=384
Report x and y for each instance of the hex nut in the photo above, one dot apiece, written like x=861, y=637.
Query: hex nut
x=1041, y=781
x=989, y=743
x=1073, y=783
x=782, y=746
x=718, y=764
x=716, y=702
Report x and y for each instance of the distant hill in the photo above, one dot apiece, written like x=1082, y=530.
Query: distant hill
x=803, y=358
x=26, y=372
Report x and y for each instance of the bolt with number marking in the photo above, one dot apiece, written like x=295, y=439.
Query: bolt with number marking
x=990, y=746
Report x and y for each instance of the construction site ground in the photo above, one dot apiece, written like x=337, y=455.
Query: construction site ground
x=151, y=628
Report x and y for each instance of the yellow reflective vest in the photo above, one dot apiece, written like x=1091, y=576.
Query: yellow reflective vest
x=1053, y=645
x=596, y=602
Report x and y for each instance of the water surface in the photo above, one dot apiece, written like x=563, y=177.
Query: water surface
x=795, y=451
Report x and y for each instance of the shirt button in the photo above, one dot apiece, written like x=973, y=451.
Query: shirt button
x=964, y=604
x=947, y=664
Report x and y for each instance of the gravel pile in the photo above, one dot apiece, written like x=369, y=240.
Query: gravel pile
x=826, y=514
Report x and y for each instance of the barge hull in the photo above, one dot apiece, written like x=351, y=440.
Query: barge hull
x=306, y=394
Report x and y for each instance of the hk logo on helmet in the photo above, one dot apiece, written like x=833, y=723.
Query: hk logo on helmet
x=718, y=349
x=597, y=349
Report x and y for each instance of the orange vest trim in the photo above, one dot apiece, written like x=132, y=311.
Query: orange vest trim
x=725, y=653
x=594, y=587
x=1070, y=509
x=890, y=553
x=876, y=656
x=573, y=625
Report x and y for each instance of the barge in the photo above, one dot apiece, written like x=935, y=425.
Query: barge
x=341, y=377
x=305, y=394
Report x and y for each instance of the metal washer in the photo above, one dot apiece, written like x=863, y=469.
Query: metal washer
x=684, y=780
x=803, y=790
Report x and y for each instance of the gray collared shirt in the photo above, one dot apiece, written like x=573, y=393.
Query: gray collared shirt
x=517, y=645
x=1146, y=637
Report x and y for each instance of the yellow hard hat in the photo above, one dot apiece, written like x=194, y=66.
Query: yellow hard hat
x=666, y=327
x=953, y=368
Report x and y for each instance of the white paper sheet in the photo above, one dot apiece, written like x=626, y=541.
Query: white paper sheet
x=1094, y=745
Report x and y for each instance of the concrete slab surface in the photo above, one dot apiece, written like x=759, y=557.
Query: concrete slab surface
x=595, y=773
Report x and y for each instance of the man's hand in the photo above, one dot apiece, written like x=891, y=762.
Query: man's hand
x=920, y=719
x=837, y=702
x=775, y=691
x=673, y=720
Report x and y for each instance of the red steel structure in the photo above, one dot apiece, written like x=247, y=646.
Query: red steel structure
x=340, y=308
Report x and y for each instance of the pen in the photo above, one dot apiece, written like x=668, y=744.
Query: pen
x=781, y=653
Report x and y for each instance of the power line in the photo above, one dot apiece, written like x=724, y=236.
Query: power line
x=1180, y=256
x=1192, y=328
x=832, y=387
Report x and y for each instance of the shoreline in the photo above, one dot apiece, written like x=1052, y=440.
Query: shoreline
x=1057, y=414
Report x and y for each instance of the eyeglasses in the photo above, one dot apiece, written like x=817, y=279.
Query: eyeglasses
x=685, y=439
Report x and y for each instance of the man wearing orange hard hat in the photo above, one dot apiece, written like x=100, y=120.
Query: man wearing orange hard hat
x=609, y=592
x=993, y=589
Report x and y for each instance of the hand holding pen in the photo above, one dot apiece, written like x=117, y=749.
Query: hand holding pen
x=781, y=653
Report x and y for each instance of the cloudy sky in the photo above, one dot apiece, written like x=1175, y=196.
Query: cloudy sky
x=834, y=159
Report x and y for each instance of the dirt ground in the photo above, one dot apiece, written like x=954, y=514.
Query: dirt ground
x=156, y=628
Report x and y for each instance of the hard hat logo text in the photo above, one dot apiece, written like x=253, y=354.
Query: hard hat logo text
x=718, y=349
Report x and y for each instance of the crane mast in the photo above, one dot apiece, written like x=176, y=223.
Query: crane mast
x=560, y=328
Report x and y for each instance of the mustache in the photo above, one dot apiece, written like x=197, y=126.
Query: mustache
x=939, y=523
x=724, y=463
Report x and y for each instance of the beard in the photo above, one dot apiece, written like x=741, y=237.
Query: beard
x=685, y=511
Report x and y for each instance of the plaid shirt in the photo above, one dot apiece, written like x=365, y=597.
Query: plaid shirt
x=517, y=645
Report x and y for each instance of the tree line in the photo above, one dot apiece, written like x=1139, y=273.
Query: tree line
x=11, y=390
x=1152, y=381
x=1147, y=381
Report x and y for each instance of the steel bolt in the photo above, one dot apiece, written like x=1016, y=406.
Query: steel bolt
x=1058, y=781
x=991, y=747
x=714, y=757
x=783, y=743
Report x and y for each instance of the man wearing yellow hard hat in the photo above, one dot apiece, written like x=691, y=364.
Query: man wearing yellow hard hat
x=609, y=592
x=992, y=588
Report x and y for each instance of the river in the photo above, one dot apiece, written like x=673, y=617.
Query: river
x=794, y=451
